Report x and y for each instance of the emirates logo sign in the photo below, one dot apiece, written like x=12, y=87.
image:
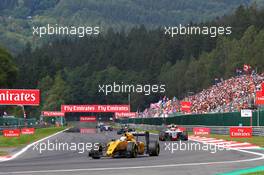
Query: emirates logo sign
x=19, y=97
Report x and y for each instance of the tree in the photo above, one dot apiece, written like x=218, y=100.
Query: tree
x=57, y=95
x=45, y=85
x=8, y=70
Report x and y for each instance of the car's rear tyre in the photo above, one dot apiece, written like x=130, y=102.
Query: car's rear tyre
x=154, y=148
x=132, y=150
x=96, y=154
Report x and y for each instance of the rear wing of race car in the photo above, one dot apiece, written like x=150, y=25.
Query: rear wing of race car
x=142, y=134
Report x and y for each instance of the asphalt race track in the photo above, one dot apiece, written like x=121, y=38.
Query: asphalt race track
x=179, y=162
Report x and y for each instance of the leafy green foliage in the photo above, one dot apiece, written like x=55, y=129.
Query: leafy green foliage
x=56, y=95
x=18, y=16
x=184, y=63
x=221, y=62
x=8, y=70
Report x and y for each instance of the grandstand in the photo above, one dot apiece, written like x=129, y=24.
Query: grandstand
x=229, y=95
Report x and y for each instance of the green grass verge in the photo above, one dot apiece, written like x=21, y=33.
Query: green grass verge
x=259, y=170
x=256, y=173
x=151, y=131
x=26, y=139
x=3, y=153
x=115, y=127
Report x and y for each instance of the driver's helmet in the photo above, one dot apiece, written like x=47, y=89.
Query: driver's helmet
x=173, y=127
x=123, y=138
x=129, y=136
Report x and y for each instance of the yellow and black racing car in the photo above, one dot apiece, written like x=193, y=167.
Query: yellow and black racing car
x=127, y=146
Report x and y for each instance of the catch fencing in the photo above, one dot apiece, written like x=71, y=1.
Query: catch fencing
x=17, y=121
x=211, y=119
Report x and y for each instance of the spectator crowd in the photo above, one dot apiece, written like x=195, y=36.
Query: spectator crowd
x=228, y=95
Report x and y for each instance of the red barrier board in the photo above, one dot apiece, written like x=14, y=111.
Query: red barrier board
x=182, y=129
x=53, y=113
x=201, y=131
x=259, y=98
x=11, y=133
x=262, y=88
x=27, y=131
x=19, y=97
x=186, y=106
x=125, y=114
x=95, y=108
x=87, y=119
x=240, y=132
x=87, y=130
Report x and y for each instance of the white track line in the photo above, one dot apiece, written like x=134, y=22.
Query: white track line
x=209, y=142
x=248, y=147
x=240, y=144
x=215, y=141
x=28, y=146
x=142, y=167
